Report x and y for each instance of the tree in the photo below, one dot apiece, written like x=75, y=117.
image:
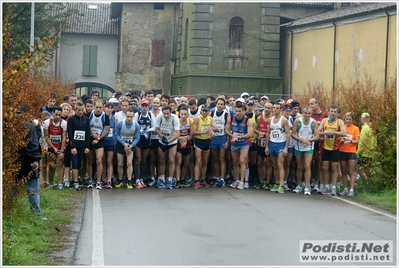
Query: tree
x=50, y=19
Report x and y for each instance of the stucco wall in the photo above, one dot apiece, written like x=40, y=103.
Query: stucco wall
x=72, y=57
x=141, y=23
x=365, y=48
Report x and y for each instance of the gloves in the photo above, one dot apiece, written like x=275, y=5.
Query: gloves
x=164, y=140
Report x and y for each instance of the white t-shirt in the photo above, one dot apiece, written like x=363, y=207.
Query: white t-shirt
x=168, y=127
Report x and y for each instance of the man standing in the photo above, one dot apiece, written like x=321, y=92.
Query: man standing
x=168, y=129
x=50, y=105
x=78, y=129
x=331, y=130
x=99, y=129
x=277, y=142
x=127, y=134
x=55, y=131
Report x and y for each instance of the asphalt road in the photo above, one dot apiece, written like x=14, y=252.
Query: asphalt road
x=218, y=226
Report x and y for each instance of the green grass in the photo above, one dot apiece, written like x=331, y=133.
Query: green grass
x=30, y=241
x=385, y=200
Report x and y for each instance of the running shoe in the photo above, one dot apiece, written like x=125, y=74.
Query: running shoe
x=316, y=188
x=246, y=185
x=174, y=182
x=140, y=186
x=257, y=185
x=189, y=182
x=234, y=184
x=240, y=186
x=325, y=191
x=66, y=183
x=215, y=182
x=76, y=186
x=286, y=187
x=351, y=193
x=205, y=184
x=50, y=187
x=60, y=186
x=90, y=184
x=142, y=183
x=161, y=184
x=119, y=185
x=178, y=186
x=280, y=190
x=344, y=192
x=266, y=186
x=197, y=185
x=221, y=183
x=129, y=185
x=307, y=191
x=298, y=189
x=333, y=191
x=274, y=188
x=109, y=185
x=98, y=186
x=169, y=185
x=151, y=183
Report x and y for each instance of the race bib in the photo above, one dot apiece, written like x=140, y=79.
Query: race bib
x=111, y=132
x=79, y=135
x=55, y=139
x=330, y=137
x=97, y=131
x=166, y=133
x=263, y=142
x=220, y=127
x=128, y=140
x=275, y=134
x=348, y=137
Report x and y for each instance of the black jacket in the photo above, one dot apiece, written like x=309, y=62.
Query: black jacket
x=80, y=124
x=31, y=152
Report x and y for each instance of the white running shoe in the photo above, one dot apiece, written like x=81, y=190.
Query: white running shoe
x=240, y=186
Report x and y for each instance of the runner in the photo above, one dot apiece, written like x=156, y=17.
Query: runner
x=109, y=147
x=156, y=102
x=305, y=131
x=277, y=142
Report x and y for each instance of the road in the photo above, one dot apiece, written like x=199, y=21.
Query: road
x=218, y=226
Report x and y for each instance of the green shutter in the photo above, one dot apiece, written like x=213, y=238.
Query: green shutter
x=93, y=60
x=86, y=60
x=89, y=60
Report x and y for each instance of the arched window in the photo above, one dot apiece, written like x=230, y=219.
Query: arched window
x=236, y=37
x=185, y=40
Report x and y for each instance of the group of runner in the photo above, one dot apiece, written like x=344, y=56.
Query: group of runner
x=168, y=143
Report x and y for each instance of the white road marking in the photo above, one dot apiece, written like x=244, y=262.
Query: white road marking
x=365, y=207
x=97, y=255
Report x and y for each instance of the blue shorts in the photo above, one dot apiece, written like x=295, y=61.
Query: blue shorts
x=218, y=142
x=291, y=150
x=276, y=147
x=202, y=145
x=236, y=148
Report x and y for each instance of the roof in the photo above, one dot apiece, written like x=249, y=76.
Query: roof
x=94, y=18
x=341, y=13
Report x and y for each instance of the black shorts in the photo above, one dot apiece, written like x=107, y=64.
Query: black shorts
x=154, y=144
x=347, y=156
x=202, y=145
x=99, y=144
x=332, y=156
x=109, y=148
x=144, y=143
x=364, y=161
x=261, y=151
x=316, y=146
x=165, y=147
x=253, y=147
x=184, y=151
x=120, y=149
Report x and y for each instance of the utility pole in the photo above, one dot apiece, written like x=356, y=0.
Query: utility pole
x=32, y=26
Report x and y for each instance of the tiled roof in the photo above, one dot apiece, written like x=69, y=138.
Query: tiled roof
x=341, y=13
x=94, y=18
x=308, y=3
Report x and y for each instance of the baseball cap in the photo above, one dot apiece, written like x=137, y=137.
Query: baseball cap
x=287, y=107
x=280, y=101
x=113, y=100
x=259, y=108
x=128, y=94
x=244, y=94
x=205, y=107
x=240, y=100
x=250, y=102
x=365, y=115
x=264, y=97
x=144, y=102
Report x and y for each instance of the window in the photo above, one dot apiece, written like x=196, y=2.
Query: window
x=185, y=40
x=89, y=60
x=236, y=31
x=158, y=53
x=159, y=6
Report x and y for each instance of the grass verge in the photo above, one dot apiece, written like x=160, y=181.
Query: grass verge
x=29, y=241
x=385, y=200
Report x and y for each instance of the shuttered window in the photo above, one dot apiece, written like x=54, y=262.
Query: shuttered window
x=236, y=37
x=158, y=53
x=89, y=60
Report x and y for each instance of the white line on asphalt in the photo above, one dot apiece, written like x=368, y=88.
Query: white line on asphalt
x=367, y=208
x=97, y=255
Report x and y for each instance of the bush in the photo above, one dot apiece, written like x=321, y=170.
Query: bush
x=381, y=104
